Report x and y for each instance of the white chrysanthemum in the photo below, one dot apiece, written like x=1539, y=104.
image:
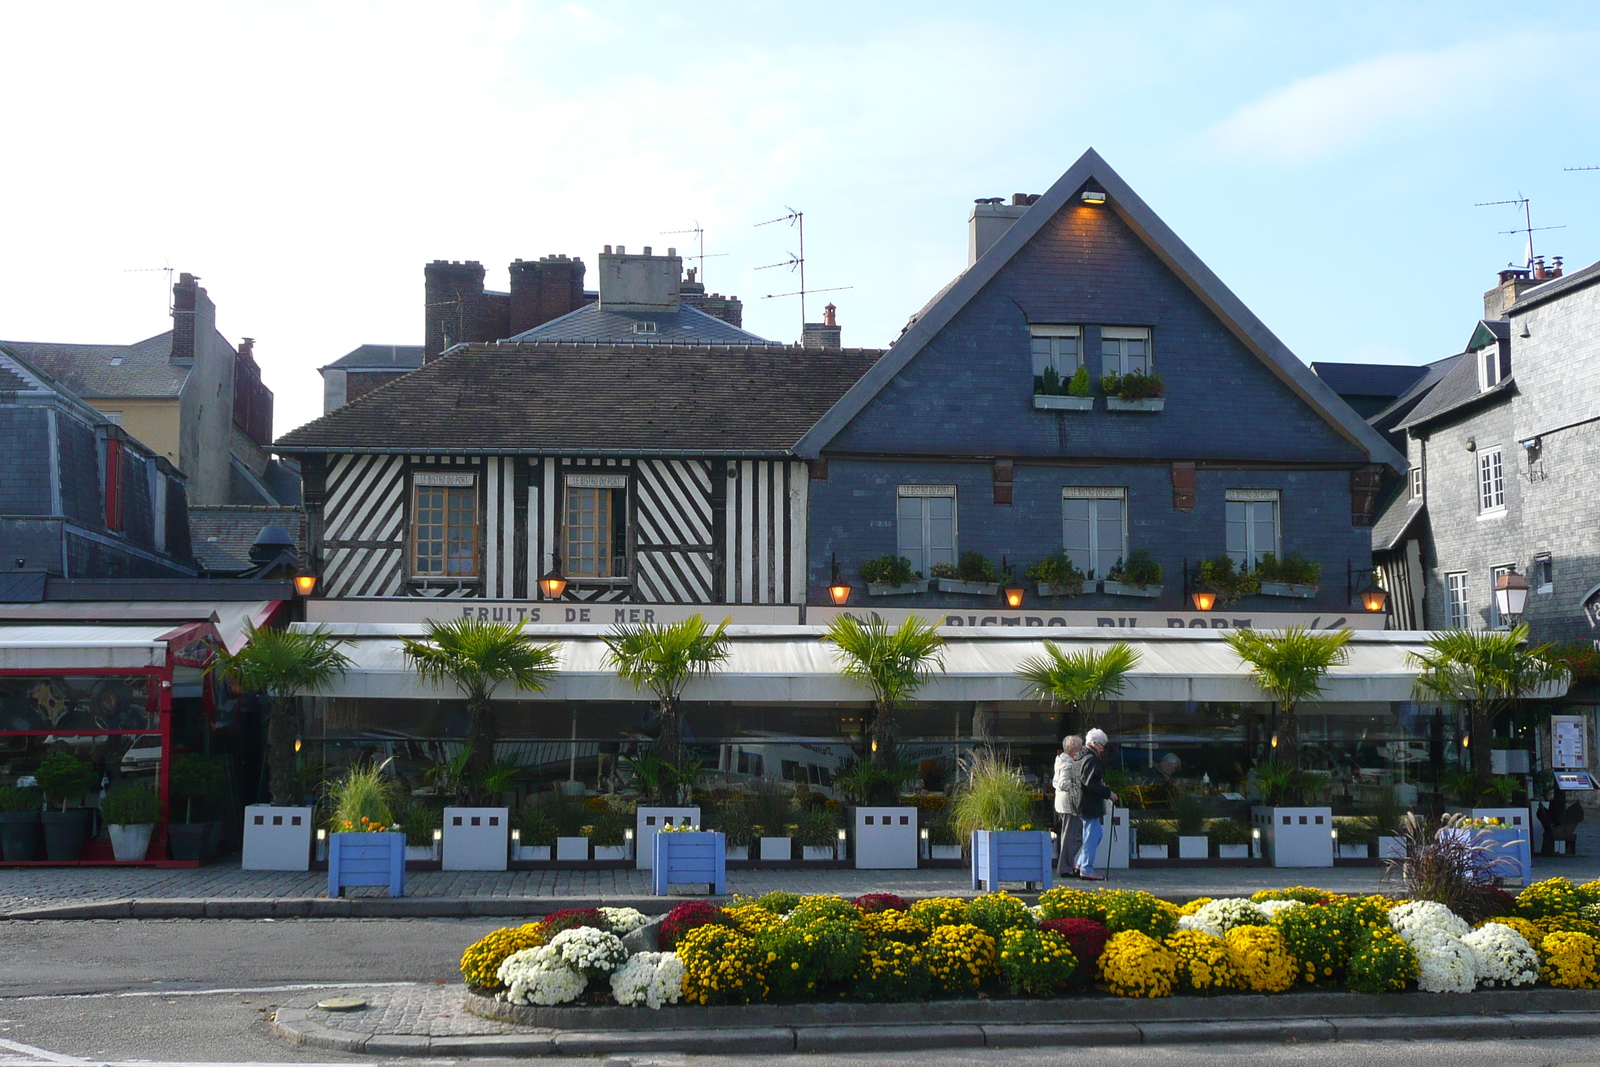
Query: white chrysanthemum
x=540, y=976
x=1445, y=963
x=1504, y=956
x=1421, y=915
x=1273, y=908
x=649, y=978
x=1037, y=912
x=624, y=920
x=590, y=951
x=1220, y=916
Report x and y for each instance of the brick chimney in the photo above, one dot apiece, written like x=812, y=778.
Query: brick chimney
x=1514, y=282
x=729, y=309
x=453, y=308
x=193, y=313
x=544, y=289
x=824, y=334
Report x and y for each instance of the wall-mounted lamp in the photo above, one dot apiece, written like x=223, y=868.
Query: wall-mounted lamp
x=297, y=744
x=1094, y=196
x=552, y=584
x=1274, y=740
x=1014, y=597
x=838, y=588
x=305, y=584
x=1373, y=597
x=1511, y=595
x=516, y=839
x=1204, y=599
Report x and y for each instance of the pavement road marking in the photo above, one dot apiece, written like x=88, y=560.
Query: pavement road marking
x=223, y=991
x=28, y=1054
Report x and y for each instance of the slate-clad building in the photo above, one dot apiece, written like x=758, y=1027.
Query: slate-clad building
x=946, y=446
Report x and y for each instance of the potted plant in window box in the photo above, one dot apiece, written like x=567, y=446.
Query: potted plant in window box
x=1133, y=392
x=365, y=847
x=609, y=836
x=818, y=831
x=1291, y=576
x=1231, y=837
x=64, y=777
x=974, y=574
x=130, y=811
x=735, y=823
x=1056, y=576
x=19, y=824
x=891, y=576
x=419, y=822
x=1138, y=575
x=1189, y=823
x=943, y=844
x=1154, y=838
x=1354, y=837
x=1050, y=393
x=536, y=833
x=995, y=809
x=1221, y=577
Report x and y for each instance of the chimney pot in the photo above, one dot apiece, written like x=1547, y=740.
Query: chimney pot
x=828, y=316
x=621, y=251
x=608, y=250
x=647, y=250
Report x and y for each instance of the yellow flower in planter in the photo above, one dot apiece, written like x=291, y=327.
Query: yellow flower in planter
x=1194, y=905
x=1262, y=959
x=941, y=911
x=480, y=963
x=1204, y=963
x=891, y=925
x=1569, y=961
x=960, y=957
x=1135, y=965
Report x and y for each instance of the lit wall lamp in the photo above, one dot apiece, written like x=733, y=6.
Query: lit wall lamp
x=1511, y=595
x=1013, y=590
x=1373, y=597
x=553, y=584
x=297, y=744
x=1095, y=197
x=1204, y=599
x=838, y=588
x=305, y=584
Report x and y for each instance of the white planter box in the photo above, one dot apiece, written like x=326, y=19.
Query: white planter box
x=1354, y=852
x=569, y=849
x=1295, y=837
x=419, y=853
x=1391, y=848
x=276, y=838
x=886, y=839
x=1194, y=848
x=1509, y=761
x=956, y=585
x=1116, y=403
x=776, y=849
x=1124, y=589
x=1233, y=852
x=1046, y=589
x=648, y=820
x=1062, y=403
x=130, y=842
x=882, y=589
x=611, y=853
x=813, y=853
x=532, y=854
x=1153, y=852
x=738, y=852
x=476, y=839
x=1302, y=592
x=944, y=852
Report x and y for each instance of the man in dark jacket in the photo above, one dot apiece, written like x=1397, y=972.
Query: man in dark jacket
x=1093, y=793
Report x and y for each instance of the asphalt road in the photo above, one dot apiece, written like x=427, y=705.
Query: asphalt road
x=85, y=994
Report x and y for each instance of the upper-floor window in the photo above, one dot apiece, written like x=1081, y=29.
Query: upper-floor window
x=1489, y=368
x=444, y=524
x=1416, y=483
x=927, y=521
x=1543, y=578
x=1252, y=525
x=1455, y=601
x=1491, y=482
x=1124, y=350
x=1094, y=529
x=596, y=526
x=1057, y=348
x=113, y=484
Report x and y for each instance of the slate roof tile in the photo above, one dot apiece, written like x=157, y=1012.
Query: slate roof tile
x=142, y=368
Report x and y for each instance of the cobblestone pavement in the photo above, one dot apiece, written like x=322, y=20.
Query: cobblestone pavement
x=434, y=1010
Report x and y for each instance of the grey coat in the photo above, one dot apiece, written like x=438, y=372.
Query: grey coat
x=1068, y=782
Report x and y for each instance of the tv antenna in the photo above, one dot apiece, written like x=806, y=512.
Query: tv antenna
x=796, y=263
x=155, y=270
x=1580, y=168
x=700, y=239
x=1527, y=226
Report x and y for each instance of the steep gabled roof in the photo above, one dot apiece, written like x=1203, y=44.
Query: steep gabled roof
x=637, y=399
x=1457, y=392
x=1177, y=257
x=688, y=325
x=1368, y=379
x=1406, y=402
x=379, y=357
x=142, y=369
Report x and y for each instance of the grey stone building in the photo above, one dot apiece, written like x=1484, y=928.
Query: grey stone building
x=1503, y=449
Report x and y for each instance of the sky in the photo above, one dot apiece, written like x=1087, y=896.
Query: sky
x=306, y=159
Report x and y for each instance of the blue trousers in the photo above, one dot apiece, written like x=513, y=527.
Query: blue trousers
x=1093, y=829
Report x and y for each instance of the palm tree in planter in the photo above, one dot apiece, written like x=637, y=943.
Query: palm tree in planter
x=282, y=664
x=1289, y=666
x=663, y=657
x=1080, y=680
x=479, y=656
x=1488, y=671
x=893, y=664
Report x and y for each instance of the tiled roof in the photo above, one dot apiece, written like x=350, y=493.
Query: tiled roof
x=1433, y=374
x=547, y=397
x=1368, y=379
x=1396, y=519
x=1458, y=388
x=221, y=536
x=141, y=369
x=688, y=325
x=379, y=357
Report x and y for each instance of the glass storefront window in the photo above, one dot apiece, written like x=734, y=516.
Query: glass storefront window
x=76, y=702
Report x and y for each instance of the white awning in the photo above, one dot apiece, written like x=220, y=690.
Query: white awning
x=229, y=616
x=64, y=649
x=790, y=664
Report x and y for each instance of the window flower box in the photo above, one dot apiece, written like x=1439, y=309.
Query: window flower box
x=884, y=589
x=610, y=853
x=1047, y=589
x=1197, y=847
x=476, y=839
x=570, y=849
x=1111, y=588
x=689, y=857
x=419, y=853
x=1295, y=837
x=886, y=838
x=956, y=585
x=1116, y=403
x=1302, y=592
x=648, y=819
x=1011, y=856
x=367, y=859
x=1062, y=403
x=777, y=849
x=276, y=838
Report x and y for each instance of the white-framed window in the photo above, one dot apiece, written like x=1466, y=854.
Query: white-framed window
x=1252, y=525
x=444, y=524
x=927, y=520
x=1124, y=350
x=1543, y=578
x=1455, y=601
x=1496, y=620
x=1416, y=483
x=1094, y=528
x=1488, y=360
x=596, y=527
x=1058, y=347
x=1491, y=482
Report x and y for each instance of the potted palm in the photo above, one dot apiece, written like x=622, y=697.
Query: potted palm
x=1056, y=575
x=1133, y=392
x=535, y=832
x=1289, y=667
x=365, y=846
x=194, y=777
x=973, y=573
x=282, y=664
x=994, y=810
x=130, y=811
x=1138, y=575
x=19, y=824
x=64, y=777
x=1079, y=680
x=891, y=575
x=1291, y=576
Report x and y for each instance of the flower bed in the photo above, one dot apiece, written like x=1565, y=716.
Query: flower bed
x=784, y=948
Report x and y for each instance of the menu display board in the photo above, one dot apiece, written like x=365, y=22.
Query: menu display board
x=1569, y=742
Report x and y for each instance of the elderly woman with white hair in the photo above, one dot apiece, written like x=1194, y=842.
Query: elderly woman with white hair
x=1093, y=794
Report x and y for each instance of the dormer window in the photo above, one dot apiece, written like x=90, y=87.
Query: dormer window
x=644, y=327
x=1490, y=370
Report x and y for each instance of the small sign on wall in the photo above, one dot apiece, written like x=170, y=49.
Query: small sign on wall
x=1569, y=742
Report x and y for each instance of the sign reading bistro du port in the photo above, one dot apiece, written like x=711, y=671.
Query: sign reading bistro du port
x=1144, y=620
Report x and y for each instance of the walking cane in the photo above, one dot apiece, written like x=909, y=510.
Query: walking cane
x=1111, y=842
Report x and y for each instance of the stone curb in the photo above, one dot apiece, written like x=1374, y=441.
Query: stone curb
x=292, y=1025
x=324, y=908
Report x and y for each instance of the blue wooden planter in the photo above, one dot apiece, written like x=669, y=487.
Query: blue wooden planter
x=1512, y=852
x=1011, y=856
x=367, y=859
x=689, y=859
